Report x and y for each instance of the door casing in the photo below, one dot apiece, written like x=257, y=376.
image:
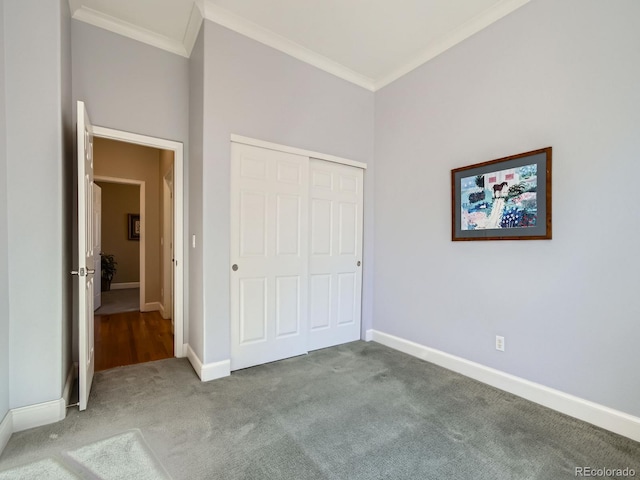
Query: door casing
x=97, y=241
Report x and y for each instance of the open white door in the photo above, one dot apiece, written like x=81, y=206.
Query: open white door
x=85, y=270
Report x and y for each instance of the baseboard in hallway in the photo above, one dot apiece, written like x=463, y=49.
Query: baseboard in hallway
x=125, y=285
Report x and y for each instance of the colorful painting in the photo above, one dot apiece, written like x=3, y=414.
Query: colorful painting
x=501, y=199
x=504, y=199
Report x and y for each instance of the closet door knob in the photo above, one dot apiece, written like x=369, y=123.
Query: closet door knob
x=359, y=263
x=234, y=267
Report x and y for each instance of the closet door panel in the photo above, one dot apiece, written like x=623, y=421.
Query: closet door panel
x=335, y=257
x=269, y=255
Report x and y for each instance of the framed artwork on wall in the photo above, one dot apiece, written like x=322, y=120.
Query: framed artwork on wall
x=504, y=199
x=134, y=226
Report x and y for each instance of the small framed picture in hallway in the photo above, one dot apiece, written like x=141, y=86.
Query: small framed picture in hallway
x=504, y=199
x=134, y=226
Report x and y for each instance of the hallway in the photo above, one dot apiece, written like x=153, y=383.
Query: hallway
x=118, y=301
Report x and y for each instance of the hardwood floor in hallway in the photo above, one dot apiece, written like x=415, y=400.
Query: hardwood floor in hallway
x=131, y=337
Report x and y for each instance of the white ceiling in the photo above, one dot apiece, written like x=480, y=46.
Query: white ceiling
x=368, y=42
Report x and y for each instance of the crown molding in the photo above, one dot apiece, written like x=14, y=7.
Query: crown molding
x=450, y=40
x=216, y=14
x=193, y=27
x=74, y=5
x=206, y=9
x=121, y=27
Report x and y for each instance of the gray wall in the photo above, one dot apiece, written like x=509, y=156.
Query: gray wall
x=563, y=74
x=195, y=337
x=36, y=218
x=131, y=86
x=128, y=85
x=256, y=91
x=4, y=280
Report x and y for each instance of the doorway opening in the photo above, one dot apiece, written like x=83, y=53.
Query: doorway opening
x=141, y=228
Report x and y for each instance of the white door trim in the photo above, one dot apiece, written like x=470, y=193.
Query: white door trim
x=97, y=247
x=178, y=233
x=143, y=217
x=166, y=299
x=298, y=151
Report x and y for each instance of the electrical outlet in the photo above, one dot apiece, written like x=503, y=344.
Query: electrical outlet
x=499, y=343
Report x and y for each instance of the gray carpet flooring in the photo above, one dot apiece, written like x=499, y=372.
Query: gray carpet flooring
x=357, y=411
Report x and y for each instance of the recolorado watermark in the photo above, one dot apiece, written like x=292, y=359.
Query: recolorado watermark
x=605, y=472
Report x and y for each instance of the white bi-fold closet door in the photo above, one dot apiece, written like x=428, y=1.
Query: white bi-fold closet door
x=296, y=252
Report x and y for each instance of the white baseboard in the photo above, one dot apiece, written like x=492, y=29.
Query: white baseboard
x=591, y=412
x=194, y=361
x=68, y=384
x=164, y=313
x=124, y=285
x=6, y=430
x=23, y=418
x=39, y=414
x=210, y=371
x=368, y=335
x=151, y=307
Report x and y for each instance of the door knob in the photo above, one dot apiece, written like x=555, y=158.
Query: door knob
x=90, y=271
x=359, y=263
x=234, y=267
